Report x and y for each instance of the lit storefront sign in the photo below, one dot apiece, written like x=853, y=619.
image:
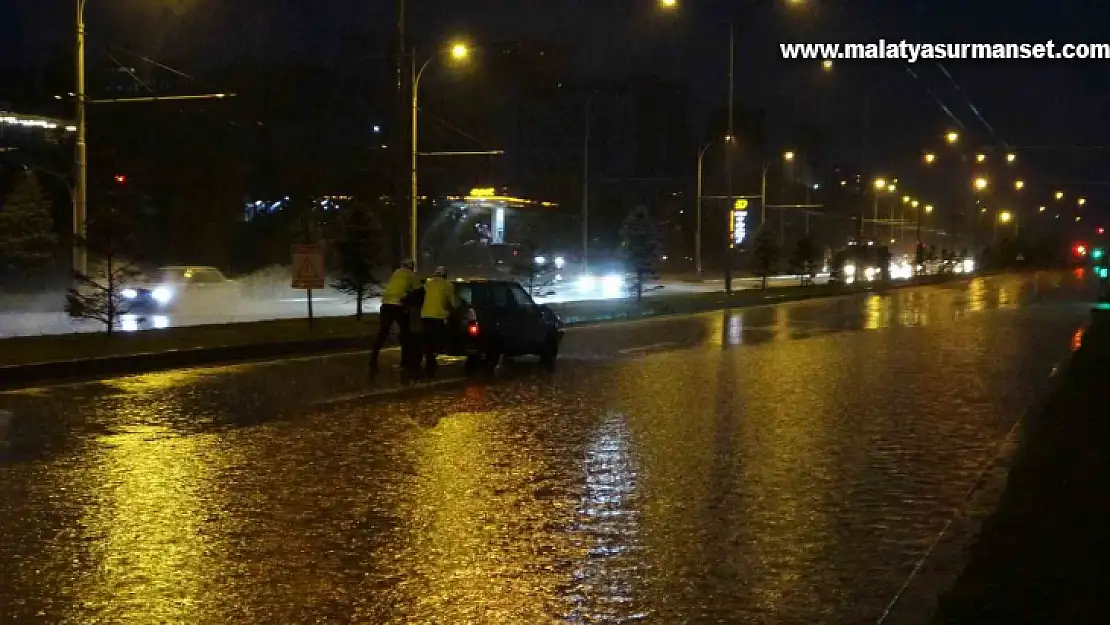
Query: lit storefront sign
x=738, y=223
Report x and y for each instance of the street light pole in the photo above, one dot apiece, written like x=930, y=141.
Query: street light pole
x=728, y=150
x=697, y=228
x=586, y=192
x=80, y=196
x=414, y=244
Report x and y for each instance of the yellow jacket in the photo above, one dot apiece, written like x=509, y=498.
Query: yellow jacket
x=400, y=284
x=439, y=299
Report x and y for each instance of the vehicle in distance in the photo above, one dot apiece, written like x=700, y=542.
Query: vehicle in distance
x=177, y=286
x=499, y=318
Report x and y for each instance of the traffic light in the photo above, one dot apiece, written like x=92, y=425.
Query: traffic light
x=1079, y=249
x=1097, y=253
x=1101, y=230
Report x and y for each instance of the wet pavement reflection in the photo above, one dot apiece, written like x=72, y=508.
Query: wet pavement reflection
x=786, y=464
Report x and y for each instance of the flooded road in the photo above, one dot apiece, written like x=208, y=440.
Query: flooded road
x=787, y=464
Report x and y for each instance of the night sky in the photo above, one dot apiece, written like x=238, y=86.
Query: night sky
x=1029, y=103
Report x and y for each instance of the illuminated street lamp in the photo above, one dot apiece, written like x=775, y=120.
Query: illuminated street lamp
x=952, y=137
x=459, y=52
x=788, y=156
x=668, y=4
x=1082, y=201
x=891, y=188
x=1059, y=195
x=915, y=204
x=1005, y=217
x=1011, y=158
x=980, y=158
x=1019, y=185
x=928, y=209
x=906, y=199
x=1040, y=209
x=981, y=184
x=930, y=158
x=880, y=183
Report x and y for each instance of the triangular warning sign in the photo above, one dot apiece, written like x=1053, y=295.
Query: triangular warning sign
x=306, y=270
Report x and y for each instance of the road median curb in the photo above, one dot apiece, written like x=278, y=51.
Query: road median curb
x=574, y=313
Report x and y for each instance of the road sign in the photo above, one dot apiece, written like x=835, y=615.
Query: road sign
x=308, y=267
x=740, y=204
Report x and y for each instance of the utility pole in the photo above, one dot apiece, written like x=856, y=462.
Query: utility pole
x=728, y=152
x=81, y=195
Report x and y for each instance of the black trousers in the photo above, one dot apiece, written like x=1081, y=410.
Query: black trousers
x=390, y=315
x=435, y=333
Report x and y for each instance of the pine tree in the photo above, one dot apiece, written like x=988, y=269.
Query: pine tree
x=766, y=253
x=110, y=243
x=27, y=238
x=804, y=259
x=359, y=247
x=641, y=246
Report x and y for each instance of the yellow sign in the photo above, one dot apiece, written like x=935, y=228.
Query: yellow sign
x=740, y=205
x=486, y=192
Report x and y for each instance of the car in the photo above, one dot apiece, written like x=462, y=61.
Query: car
x=180, y=286
x=499, y=318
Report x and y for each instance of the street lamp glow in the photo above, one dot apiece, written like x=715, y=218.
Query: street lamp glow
x=1019, y=185
x=915, y=203
x=826, y=65
x=981, y=184
x=906, y=199
x=980, y=158
x=668, y=4
x=880, y=183
x=1082, y=201
x=788, y=156
x=952, y=137
x=930, y=158
x=460, y=51
x=1059, y=195
x=1040, y=209
x=1011, y=158
x=928, y=209
x=892, y=187
x=1005, y=217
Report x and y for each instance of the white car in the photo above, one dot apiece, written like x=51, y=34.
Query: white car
x=181, y=286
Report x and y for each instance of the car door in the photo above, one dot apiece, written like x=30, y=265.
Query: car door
x=530, y=328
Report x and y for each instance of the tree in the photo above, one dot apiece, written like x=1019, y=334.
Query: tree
x=359, y=246
x=110, y=243
x=766, y=253
x=804, y=260
x=535, y=276
x=884, y=257
x=27, y=238
x=641, y=246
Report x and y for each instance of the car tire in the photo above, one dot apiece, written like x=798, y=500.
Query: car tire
x=550, y=352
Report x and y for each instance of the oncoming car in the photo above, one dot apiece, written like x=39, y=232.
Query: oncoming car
x=177, y=286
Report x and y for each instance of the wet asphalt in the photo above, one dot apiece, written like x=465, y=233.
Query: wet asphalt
x=786, y=464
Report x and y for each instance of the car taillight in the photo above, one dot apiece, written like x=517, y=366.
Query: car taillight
x=472, y=328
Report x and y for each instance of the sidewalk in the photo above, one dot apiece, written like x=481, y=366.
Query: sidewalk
x=1044, y=556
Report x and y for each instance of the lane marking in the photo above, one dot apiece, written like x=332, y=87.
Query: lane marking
x=644, y=348
x=385, y=392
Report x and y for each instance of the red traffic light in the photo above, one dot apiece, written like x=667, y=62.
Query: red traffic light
x=1101, y=230
x=1080, y=249
x=121, y=179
